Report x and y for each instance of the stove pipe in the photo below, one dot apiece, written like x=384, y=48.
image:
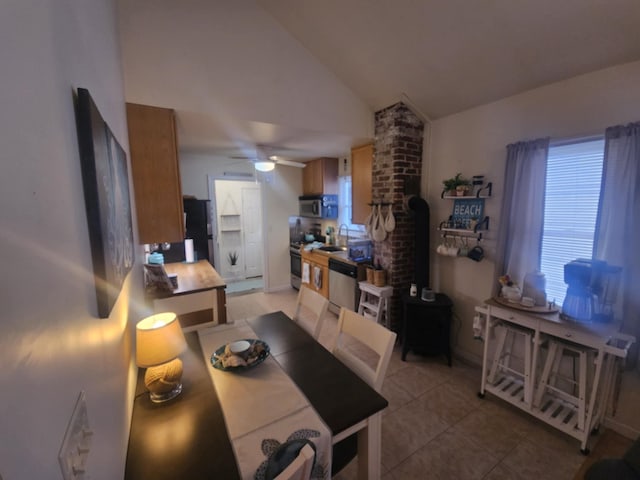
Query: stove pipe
x=421, y=242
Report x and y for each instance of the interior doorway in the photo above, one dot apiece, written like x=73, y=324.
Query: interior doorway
x=236, y=210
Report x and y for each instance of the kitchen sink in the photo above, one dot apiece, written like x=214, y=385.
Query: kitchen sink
x=331, y=248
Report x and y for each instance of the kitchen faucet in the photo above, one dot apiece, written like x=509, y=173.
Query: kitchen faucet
x=340, y=230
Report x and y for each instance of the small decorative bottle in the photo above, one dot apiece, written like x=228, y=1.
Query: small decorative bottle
x=413, y=291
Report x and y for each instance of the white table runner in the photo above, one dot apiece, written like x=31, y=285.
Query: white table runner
x=262, y=407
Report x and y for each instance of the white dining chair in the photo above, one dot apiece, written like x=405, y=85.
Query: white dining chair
x=310, y=310
x=375, y=336
x=300, y=468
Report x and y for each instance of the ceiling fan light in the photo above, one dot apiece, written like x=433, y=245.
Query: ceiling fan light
x=264, y=166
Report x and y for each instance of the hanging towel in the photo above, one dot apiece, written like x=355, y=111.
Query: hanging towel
x=305, y=273
x=317, y=277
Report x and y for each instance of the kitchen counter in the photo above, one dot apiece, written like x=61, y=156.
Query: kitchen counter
x=200, y=297
x=342, y=256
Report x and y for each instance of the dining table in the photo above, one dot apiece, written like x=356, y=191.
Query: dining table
x=299, y=391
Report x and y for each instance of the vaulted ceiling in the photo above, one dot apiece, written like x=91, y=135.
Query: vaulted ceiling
x=305, y=76
x=449, y=55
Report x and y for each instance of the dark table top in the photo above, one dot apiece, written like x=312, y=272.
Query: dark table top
x=339, y=396
x=441, y=301
x=187, y=436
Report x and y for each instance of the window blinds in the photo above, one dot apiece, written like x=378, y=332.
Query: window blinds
x=574, y=173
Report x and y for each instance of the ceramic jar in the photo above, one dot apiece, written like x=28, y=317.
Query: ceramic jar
x=534, y=286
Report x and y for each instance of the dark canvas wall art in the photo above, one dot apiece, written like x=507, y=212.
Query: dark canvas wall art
x=106, y=189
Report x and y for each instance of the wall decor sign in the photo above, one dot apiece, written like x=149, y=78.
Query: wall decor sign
x=105, y=181
x=465, y=210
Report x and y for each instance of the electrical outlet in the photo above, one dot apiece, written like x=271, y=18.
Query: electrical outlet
x=76, y=443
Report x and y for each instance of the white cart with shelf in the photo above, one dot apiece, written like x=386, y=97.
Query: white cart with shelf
x=602, y=341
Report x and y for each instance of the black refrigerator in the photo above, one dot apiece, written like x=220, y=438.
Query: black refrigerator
x=198, y=228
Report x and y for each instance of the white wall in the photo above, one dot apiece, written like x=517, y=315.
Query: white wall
x=473, y=142
x=233, y=59
x=280, y=191
x=52, y=345
x=229, y=66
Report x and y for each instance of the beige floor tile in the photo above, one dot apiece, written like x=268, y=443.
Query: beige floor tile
x=350, y=472
x=500, y=472
x=389, y=476
x=467, y=390
x=494, y=432
x=542, y=434
x=396, y=364
x=417, y=379
x=449, y=456
x=406, y=430
x=468, y=380
x=395, y=395
x=538, y=462
x=520, y=421
x=447, y=403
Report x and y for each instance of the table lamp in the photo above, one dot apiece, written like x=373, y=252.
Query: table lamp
x=159, y=341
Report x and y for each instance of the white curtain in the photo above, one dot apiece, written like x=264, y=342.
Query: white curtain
x=522, y=217
x=618, y=227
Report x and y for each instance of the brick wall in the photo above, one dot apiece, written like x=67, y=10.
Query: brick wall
x=397, y=167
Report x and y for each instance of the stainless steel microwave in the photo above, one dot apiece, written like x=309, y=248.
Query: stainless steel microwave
x=319, y=206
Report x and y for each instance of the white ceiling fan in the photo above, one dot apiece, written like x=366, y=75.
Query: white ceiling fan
x=265, y=160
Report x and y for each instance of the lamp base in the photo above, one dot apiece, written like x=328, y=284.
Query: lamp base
x=166, y=396
x=164, y=382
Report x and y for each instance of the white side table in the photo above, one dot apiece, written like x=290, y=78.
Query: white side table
x=374, y=302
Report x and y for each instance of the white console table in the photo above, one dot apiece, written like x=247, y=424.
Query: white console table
x=605, y=346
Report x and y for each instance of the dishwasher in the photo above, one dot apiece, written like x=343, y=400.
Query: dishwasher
x=343, y=285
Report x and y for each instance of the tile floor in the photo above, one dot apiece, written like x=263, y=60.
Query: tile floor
x=435, y=426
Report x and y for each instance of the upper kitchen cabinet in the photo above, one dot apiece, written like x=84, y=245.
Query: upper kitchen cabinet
x=320, y=176
x=156, y=173
x=361, y=166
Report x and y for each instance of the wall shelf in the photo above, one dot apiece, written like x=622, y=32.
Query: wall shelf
x=460, y=233
x=467, y=219
x=482, y=192
x=460, y=226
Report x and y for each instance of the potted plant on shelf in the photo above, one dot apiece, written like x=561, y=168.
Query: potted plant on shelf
x=456, y=186
x=461, y=190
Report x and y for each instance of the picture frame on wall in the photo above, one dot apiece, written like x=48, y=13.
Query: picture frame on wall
x=105, y=181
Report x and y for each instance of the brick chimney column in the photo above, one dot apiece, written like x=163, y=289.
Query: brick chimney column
x=396, y=172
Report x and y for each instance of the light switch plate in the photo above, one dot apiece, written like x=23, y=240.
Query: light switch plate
x=76, y=443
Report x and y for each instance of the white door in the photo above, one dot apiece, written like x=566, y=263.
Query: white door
x=252, y=230
x=237, y=225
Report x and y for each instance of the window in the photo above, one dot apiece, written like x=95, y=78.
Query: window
x=574, y=175
x=344, y=206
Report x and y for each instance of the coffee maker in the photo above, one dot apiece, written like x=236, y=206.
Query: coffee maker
x=592, y=288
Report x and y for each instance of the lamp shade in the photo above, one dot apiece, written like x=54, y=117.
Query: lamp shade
x=159, y=339
x=265, y=166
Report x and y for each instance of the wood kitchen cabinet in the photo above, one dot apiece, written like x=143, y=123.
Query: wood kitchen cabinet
x=320, y=176
x=156, y=173
x=361, y=167
x=316, y=260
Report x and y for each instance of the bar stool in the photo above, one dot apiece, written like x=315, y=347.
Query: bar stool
x=374, y=302
x=502, y=362
x=559, y=349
